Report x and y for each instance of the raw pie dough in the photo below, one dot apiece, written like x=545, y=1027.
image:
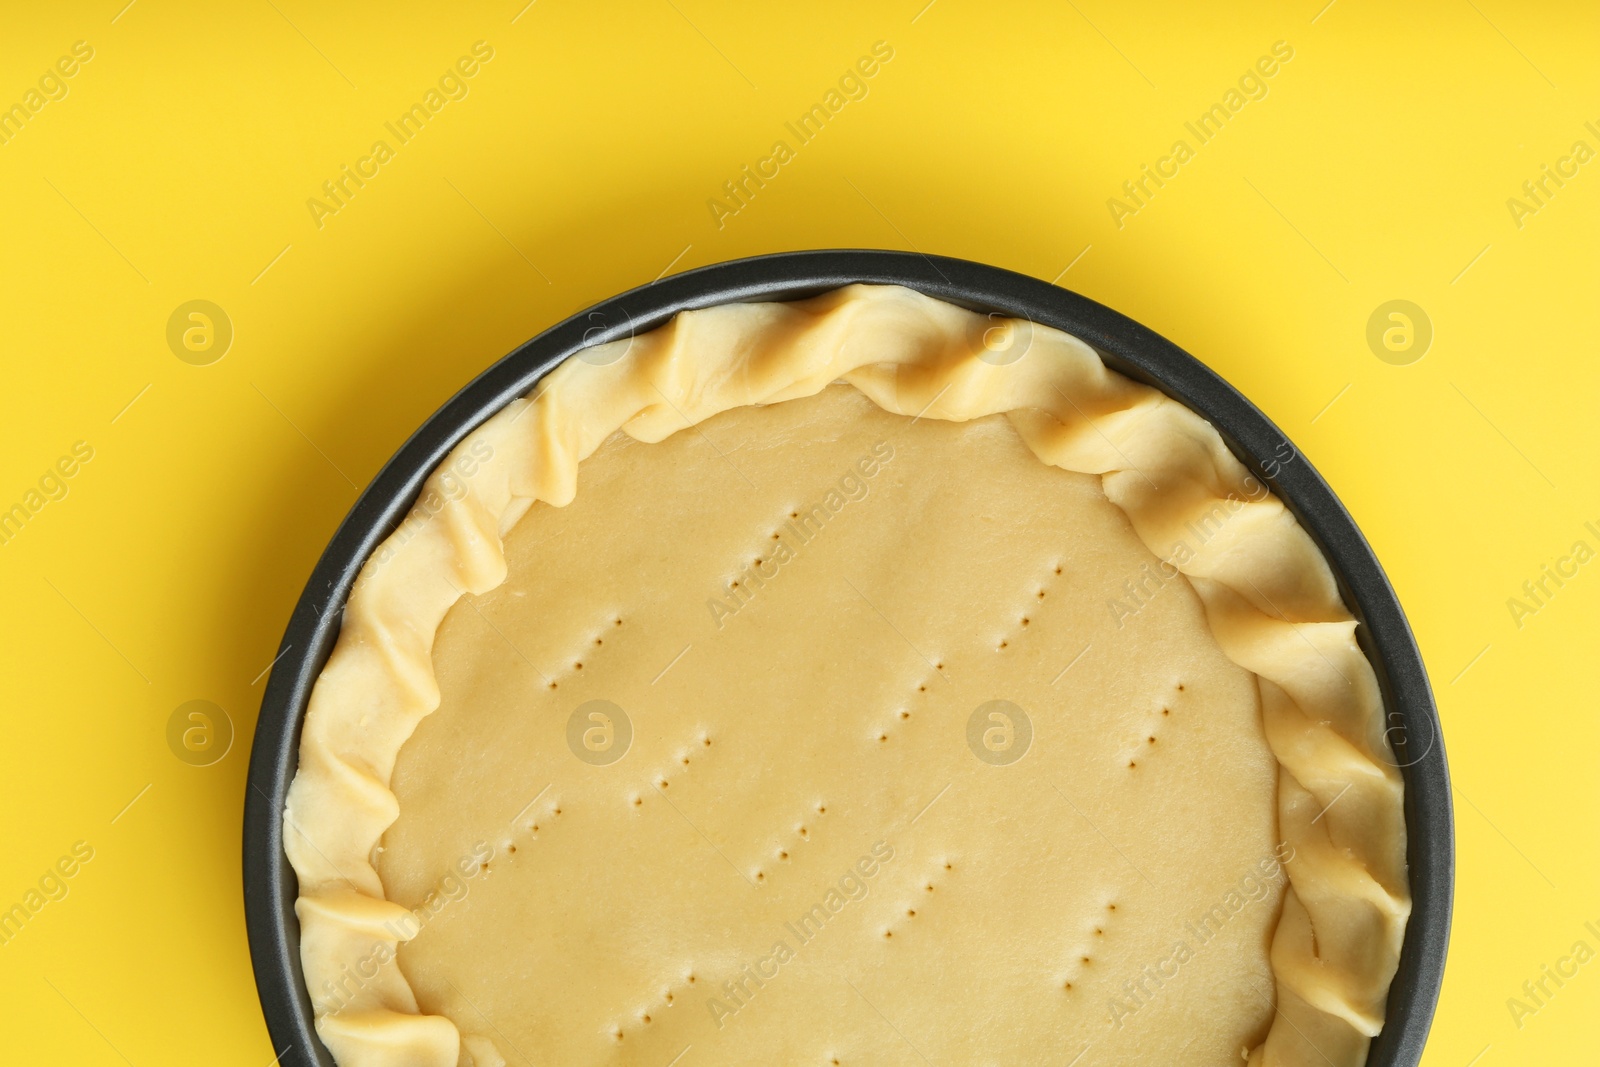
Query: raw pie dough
x=828, y=725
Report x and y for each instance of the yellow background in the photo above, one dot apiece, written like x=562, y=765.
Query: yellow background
x=580, y=164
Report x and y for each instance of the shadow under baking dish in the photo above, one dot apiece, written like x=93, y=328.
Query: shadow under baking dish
x=270, y=887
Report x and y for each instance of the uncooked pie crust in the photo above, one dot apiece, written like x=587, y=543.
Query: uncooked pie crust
x=1284, y=675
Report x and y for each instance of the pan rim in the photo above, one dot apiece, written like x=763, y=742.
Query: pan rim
x=1126, y=346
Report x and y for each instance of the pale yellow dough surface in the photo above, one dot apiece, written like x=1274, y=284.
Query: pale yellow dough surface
x=818, y=721
x=472, y=892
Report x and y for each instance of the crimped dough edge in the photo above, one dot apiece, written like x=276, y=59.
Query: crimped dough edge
x=1270, y=600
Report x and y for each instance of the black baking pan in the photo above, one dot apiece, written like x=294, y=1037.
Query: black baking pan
x=1126, y=346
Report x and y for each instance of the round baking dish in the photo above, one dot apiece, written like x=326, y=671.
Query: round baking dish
x=269, y=882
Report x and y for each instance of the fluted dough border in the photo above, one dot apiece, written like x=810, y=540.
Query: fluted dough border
x=1269, y=596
